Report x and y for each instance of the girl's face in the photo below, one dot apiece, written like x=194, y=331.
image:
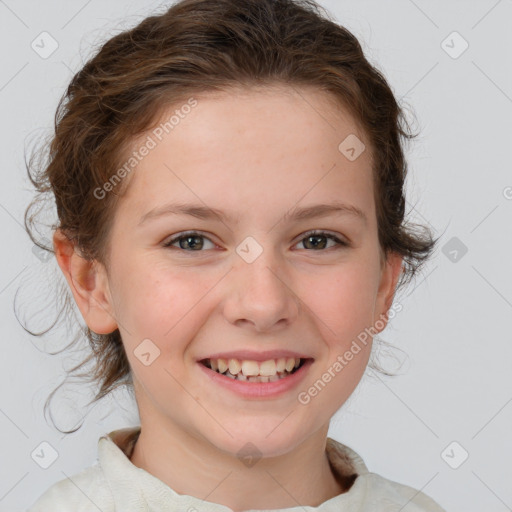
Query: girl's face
x=250, y=278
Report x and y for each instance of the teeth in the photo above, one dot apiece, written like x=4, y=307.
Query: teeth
x=254, y=371
x=250, y=368
x=268, y=368
x=260, y=378
x=235, y=366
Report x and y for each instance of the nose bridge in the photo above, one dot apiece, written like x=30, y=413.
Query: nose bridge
x=262, y=274
x=260, y=293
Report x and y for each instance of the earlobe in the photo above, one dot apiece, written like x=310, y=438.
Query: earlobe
x=88, y=282
x=391, y=272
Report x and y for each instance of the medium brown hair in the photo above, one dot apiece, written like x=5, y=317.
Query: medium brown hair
x=199, y=46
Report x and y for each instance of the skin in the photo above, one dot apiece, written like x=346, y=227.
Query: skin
x=256, y=154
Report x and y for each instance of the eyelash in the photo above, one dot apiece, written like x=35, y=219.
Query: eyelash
x=340, y=243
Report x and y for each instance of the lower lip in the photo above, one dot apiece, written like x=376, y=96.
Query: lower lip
x=259, y=389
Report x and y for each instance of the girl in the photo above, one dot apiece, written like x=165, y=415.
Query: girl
x=229, y=181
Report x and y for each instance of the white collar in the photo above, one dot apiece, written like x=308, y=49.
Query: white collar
x=137, y=490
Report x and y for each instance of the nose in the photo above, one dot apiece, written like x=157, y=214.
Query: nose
x=260, y=295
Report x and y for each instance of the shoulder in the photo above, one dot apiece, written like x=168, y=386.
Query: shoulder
x=372, y=491
x=87, y=491
x=390, y=496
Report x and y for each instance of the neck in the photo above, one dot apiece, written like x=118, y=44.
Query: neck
x=194, y=467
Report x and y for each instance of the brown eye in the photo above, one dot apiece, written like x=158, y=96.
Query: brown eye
x=189, y=242
x=318, y=240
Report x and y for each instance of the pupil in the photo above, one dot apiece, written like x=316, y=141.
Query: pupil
x=316, y=237
x=191, y=245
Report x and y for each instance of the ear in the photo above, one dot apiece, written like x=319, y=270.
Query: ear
x=89, y=284
x=390, y=274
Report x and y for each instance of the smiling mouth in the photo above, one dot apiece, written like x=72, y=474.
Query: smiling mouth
x=252, y=371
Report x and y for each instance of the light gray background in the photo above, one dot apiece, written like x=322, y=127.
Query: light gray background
x=455, y=323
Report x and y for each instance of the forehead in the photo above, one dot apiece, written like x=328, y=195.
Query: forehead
x=251, y=146
x=289, y=111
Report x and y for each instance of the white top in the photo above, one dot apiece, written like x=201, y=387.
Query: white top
x=113, y=483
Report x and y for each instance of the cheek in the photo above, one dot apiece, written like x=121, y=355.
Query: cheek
x=344, y=298
x=165, y=308
x=161, y=303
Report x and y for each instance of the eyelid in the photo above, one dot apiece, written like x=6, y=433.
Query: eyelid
x=339, y=240
x=317, y=232
x=175, y=238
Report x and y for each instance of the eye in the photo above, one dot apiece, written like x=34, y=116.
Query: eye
x=314, y=240
x=190, y=240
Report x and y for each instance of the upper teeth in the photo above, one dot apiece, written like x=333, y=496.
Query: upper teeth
x=254, y=368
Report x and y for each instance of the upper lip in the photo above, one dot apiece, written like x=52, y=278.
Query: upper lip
x=255, y=356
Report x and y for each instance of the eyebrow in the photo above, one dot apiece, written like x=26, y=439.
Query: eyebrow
x=296, y=214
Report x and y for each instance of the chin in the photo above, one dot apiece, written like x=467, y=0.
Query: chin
x=260, y=439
